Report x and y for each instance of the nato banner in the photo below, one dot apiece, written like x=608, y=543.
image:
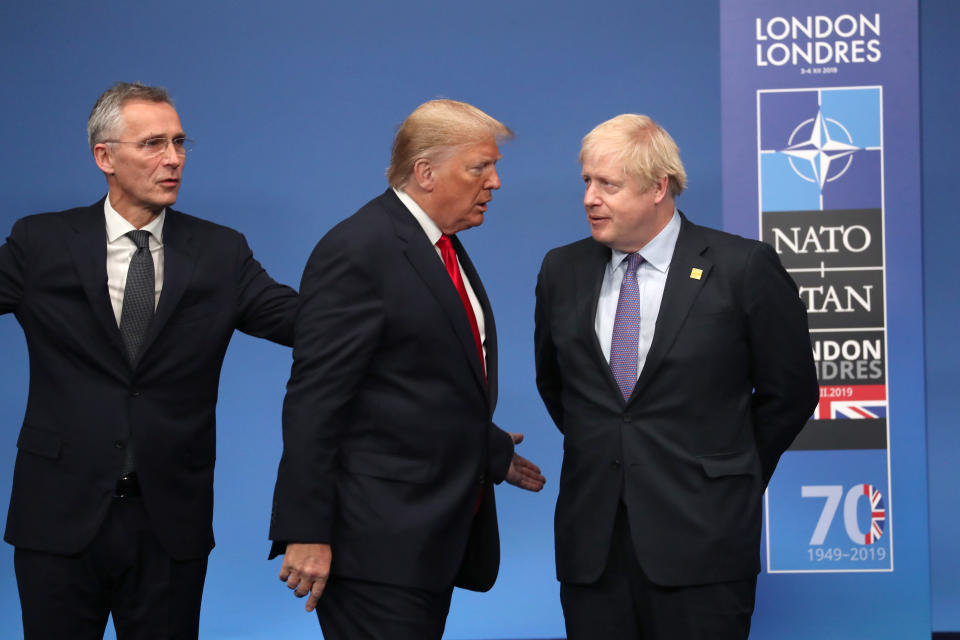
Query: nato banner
x=820, y=105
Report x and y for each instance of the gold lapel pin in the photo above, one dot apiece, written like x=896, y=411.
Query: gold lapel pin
x=696, y=273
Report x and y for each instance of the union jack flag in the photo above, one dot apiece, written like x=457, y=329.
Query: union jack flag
x=878, y=514
x=853, y=402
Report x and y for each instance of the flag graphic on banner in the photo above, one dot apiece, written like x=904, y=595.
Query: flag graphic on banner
x=854, y=402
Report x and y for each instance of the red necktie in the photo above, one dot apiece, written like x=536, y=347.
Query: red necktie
x=453, y=268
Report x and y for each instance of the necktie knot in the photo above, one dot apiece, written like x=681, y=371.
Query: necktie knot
x=633, y=261
x=444, y=244
x=140, y=237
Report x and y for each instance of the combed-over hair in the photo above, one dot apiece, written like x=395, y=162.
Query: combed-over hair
x=433, y=129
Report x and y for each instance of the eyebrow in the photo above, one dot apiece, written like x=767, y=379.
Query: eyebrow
x=151, y=136
x=599, y=175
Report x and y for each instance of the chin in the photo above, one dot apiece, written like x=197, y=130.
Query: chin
x=473, y=221
x=599, y=236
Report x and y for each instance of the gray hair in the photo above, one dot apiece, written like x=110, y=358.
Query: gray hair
x=106, y=119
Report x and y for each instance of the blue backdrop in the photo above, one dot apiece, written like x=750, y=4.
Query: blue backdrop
x=294, y=105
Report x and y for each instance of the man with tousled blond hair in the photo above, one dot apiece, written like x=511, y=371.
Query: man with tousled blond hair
x=676, y=362
x=384, y=498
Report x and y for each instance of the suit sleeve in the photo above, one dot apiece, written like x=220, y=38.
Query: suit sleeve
x=267, y=309
x=549, y=381
x=338, y=325
x=784, y=378
x=501, y=449
x=13, y=268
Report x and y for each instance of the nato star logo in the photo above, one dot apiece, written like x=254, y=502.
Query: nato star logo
x=820, y=149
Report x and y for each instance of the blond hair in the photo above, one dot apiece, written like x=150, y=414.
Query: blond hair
x=433, y=129
x=645, y=149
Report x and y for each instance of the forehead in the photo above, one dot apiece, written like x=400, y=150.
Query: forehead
x=486, y=150
x=604, y=163
x=150, y=117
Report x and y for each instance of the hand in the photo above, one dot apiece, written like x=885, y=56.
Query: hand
x=523, y=473
x=305, y=569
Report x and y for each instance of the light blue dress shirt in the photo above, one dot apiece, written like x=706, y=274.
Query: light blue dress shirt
x=651, y=278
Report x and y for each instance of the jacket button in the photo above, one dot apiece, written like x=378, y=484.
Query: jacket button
x=616, y=464
x=627, y=417
x=134, y=392
x=483, y=478
x=119, y=444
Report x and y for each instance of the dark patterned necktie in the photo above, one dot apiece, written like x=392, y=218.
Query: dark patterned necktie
x=138, y=296
x=626, y=329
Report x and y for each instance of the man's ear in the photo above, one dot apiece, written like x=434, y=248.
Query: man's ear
x=423, y=174
x=101, y=154
x=660, y=189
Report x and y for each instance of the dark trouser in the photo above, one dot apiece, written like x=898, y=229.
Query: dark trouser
x=124, y=571
x=361, y=610
x=623, y=604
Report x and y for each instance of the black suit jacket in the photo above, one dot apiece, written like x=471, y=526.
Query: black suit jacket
x=387, y=422
x=728, y=383
x=86, y=401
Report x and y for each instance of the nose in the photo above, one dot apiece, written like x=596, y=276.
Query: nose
x=590, y=195
x=170, y=155
x=493, y=181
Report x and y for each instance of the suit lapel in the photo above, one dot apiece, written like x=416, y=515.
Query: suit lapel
x=428, y=265
x=590, y=281
x=179, y=259
x=489, y=328
x=679, y=292
x=88, y=247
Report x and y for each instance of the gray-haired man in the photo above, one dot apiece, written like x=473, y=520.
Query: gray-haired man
x=127, y=307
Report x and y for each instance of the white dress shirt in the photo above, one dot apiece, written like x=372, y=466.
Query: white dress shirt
x=651, y=278
x=120, y=250
x=433, y=234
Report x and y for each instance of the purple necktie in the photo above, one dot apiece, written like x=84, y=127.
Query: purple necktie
x=626, y=329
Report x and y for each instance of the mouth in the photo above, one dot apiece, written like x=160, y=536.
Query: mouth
x=170, y=183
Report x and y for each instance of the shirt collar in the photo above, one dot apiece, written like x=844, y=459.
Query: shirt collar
x=426, y=222
x=659, y=251
x=118, y=226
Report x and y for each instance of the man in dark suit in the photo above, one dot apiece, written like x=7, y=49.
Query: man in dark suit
x=676, y=362
x=384, y=498
x=127, y=307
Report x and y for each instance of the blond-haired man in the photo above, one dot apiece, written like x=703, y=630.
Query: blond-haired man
x=384, y=498
x=675, y=359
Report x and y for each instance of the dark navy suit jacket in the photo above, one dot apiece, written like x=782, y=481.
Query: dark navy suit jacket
x=387, y=422
x=728, y=383
x=86, y=402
